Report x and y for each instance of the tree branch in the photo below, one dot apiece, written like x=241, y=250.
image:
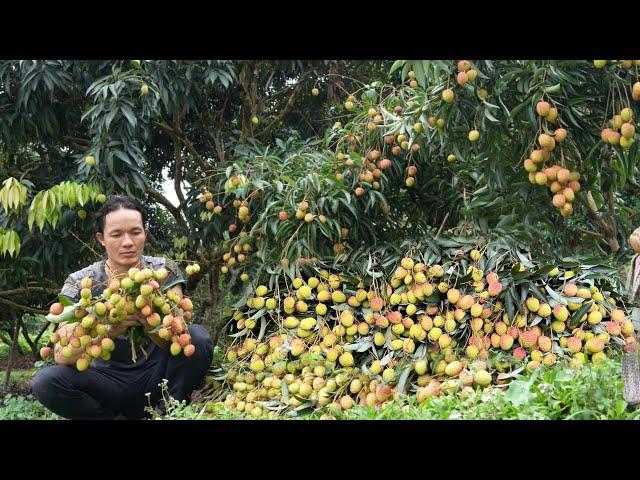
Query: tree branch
x=611, y=208
x=21, y=291
x=195, y=154
x=213, y=134
x=285, y=111
x=164, y=126
x=608, y=229
x=175, y=212
x=267, y=84
x=588, y=232
x=25, y=334
x=23, y=307
x=42, y=330
x=81, y=144
x=12, y=351
x=220, y=127
x=444, y=220
x=177, y=174
x=177, y=134
x=593, y=214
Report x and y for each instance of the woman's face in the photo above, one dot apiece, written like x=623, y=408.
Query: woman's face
x=123, y=237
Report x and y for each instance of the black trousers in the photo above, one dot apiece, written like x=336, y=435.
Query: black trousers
x=106, y=392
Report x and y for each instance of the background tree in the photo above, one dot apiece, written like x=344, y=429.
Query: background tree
x=254, y=132
x=72, y=130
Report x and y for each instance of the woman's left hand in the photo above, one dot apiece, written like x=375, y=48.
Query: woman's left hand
x=141, y=319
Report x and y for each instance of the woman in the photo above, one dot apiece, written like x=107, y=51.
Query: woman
x=633, y=276
x=125, y=384
x=630, y=363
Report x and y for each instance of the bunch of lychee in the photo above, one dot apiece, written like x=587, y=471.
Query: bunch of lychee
x=206, y=198
x=303, y=214
x=465, y=75
x=137, y=292
x=621, y=130
x=349, y=104
x=238, y=253
x=563, y=183
x=192, y=269
x=335, y=344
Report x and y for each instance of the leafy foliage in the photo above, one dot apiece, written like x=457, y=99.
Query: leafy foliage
x=17, y=407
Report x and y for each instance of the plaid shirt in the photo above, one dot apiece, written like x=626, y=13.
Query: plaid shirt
x=121, y=357
x=632, y=285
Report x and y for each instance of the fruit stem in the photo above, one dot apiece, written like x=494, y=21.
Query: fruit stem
x=133, y=350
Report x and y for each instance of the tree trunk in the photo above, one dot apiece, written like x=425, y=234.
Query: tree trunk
x=248, y=93
x=14, y=344
x=32, y=345
x=214, y=290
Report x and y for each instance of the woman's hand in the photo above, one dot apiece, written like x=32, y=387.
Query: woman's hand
x=120, y=328
x=65, y=330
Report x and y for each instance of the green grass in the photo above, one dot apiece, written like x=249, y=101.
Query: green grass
x=24, y=346
x=591, y=392
x=5, y=349
x=19, y=376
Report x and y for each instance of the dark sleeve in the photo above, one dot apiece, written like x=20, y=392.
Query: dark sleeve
x=71, y=288
x=175, y=275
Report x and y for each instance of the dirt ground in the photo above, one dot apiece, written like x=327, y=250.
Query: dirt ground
x=20, y=362
x=16, y=387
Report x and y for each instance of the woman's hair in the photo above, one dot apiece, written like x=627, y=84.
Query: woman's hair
x=117, y=202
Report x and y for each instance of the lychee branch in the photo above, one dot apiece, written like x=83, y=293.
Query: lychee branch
x=21, y=291
x=73, y=141
x=608, y=231
x=589, y=232
x=178, y=136
x=175, y=212
x=22, y=307
x=285, y=111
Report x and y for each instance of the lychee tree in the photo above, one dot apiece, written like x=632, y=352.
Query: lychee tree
x=431, y=141
x=426, y=322
x=73, y=131
x=493, y=128
x=375, y=159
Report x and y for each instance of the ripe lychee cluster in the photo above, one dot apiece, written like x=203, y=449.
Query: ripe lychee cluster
x=239, y=247
x=621, y=130
x=192, y=269
x=562, y=183
x=239, y=251
x=137, y=292
x=206, y=198
x=434, y=329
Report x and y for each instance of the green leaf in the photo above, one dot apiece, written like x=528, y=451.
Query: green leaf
x=263, y=328
x=396, y=65
x=524, y=260
x=402, y=381
x=67, y=315
x=488, y=114
x=66, y=301
x=582, y=310
x=556, y=296
x=128, y=113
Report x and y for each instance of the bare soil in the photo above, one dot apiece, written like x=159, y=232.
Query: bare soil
x=16, y=387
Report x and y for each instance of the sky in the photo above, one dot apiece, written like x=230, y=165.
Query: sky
x=169, y=191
